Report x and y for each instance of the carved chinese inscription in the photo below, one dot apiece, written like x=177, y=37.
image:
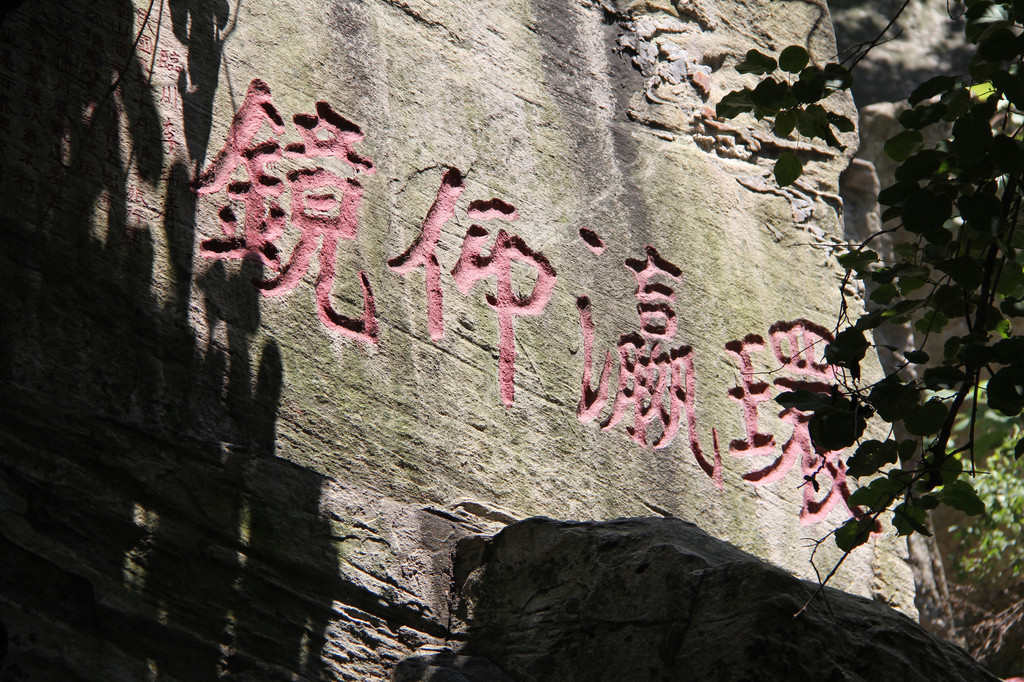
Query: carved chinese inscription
x=317, y=202
x=656, y=384
x=796, y=348
x=322, y=206
x=656, y=391
x=473, y=266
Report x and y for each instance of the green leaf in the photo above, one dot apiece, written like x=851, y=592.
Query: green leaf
x=853, y=534
x=957, y=100
x=1006, y=390
x=793, y=59
x=858, y=260
x=1007, y=154
x=950, y=349
x=964, y=270
x=972, y=138
x=892, y=398
x=869, y=321
x=891, y=213
x=998, y=45
x=982, y=211
x=1009, y=350
x=883, y=275
x=982, y=18
x=784, y=123
x=908, y=518
x=810, y=87
x=870, y=457
x=920, y=165
x=927, y=419
x=839, y=425
x=847, y=350
x=917, y=357
x=949, y=300
x=900, y=146
x=787, y=169
x=938, y=237
x=804, y=400
x=757, y=63
x=768, y=94
x=877, y=495
x=951, y=469
x=901, y=309
x=1011, y=282
x=926, y=211
x=961, y=495
x=930, y=88
x=907, y=449
x=944, y=376
x=735, y=103
x=923, y=116
x=884, y=293
x=975, y=355
x=907, y=251
x=931, y=322
x=896, y=194
x=1011, y=86
x=981, y=70
x=908, y=270
x=911, y=284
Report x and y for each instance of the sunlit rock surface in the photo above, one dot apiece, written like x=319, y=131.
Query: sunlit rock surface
x=297, y=294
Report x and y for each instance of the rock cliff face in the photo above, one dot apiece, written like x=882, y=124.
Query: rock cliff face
x=296, y=294
x=658, y=599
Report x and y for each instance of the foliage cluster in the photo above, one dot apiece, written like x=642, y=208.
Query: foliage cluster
x=958, y=270
x=988, y=551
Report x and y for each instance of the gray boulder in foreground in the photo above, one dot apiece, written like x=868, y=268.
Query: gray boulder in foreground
x=659, y=599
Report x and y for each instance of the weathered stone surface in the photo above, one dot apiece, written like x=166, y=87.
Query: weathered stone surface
x=182, y=569
x=659, y=599
x=440, y=664
x=215, y=460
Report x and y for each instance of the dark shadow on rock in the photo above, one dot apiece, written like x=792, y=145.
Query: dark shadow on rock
x=203, y=26
x=147, y=529
x=659, y=599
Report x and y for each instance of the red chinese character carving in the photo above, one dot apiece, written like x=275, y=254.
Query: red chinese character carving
x=657, y=318
x=422, y=251
x=793, y=345
x=749, y=394
x=814, y=466
x=168, y=137
x=324, y=205
x=592, y=400
x=655, y=386
x=472, y=267
x=262, y=224
x=323, y=188
x=592, y=240
x=796, y=346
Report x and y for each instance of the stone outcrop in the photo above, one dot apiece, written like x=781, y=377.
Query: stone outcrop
x=293, y=295
x=659, y=599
